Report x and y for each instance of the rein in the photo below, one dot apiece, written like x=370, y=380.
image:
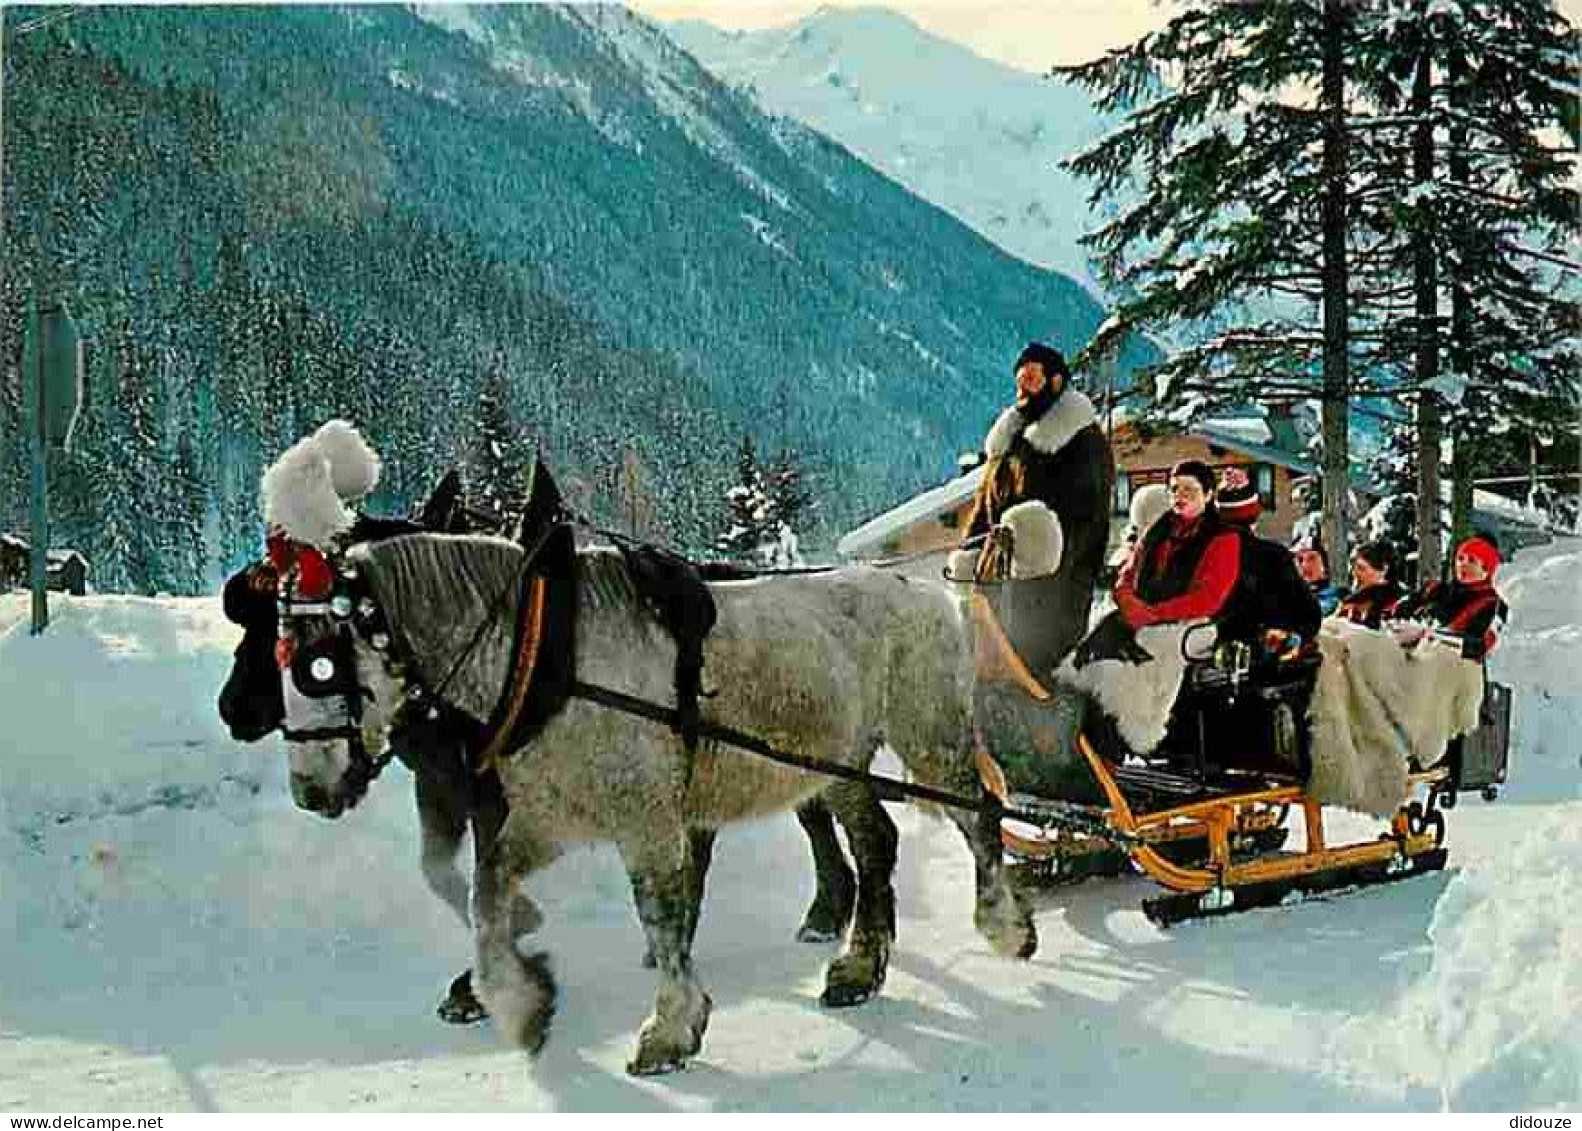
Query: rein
x=1046, y=814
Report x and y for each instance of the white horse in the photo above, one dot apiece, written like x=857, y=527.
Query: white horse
x=828, y=666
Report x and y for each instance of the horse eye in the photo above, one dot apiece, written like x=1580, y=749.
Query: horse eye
x=322, y=669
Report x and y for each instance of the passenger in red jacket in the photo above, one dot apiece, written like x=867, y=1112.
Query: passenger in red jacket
x=1469, y=606
x=1187, y=565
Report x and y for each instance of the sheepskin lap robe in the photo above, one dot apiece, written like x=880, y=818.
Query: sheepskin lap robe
x=1139, y=697
x=1376, y=706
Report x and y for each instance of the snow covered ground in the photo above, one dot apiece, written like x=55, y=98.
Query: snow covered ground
x=177, y=936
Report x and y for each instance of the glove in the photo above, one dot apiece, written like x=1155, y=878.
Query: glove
x=1112, y=639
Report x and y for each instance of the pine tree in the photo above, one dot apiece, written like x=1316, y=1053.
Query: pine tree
x=1237, y=135
x=1477, y=92
x=748, y=508
x=791, y=504
x=1364, y=160
x=500, y=457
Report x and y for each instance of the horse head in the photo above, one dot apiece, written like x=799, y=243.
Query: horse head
x=362, y=629
x=250, y=702
x=337, y=693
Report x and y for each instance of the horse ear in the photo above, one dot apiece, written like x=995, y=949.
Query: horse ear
x=439, y=510
x=544, y=505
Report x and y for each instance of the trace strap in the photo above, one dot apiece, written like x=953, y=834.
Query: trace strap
x=1045, y=814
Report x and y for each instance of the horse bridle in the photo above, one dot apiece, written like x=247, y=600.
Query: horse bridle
x=320, y=672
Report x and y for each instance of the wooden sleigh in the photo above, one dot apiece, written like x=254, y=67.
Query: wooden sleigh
x=1215, y=840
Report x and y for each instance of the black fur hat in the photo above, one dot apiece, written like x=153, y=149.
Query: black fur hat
x=1238, y=501
x=1049, y=357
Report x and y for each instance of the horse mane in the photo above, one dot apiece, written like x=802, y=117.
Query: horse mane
x=450, y=603
x=606, y=583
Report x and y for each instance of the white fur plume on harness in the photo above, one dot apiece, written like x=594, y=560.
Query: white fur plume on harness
x=1149, y=505
x=1038, y=545
x=305, y=492
x=1070, y=414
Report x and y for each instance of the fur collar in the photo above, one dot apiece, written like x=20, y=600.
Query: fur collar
x=1070, y=414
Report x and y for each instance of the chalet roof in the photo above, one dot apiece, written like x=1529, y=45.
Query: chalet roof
x=930, y=504
x=1221, y=437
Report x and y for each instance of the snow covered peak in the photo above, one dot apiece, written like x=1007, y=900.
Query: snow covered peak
x=979, y=139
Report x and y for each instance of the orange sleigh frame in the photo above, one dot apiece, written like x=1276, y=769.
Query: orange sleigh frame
x=1227, y=820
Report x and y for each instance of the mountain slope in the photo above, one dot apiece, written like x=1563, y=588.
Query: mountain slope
x=282, y=212
x=975, y=137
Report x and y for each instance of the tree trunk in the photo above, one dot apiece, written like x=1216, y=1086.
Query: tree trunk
x=1462, y=469
x=1461, y=344
x=1425, y=270
x=1335, y=414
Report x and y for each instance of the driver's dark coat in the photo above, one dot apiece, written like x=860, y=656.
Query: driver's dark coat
x=1062, y=460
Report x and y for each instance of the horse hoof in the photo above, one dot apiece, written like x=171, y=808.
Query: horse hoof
x=661, y=1049
x=659, y=1067
x=854, y=978
x=811, y=933
x=461, y=1006
x=844, y=997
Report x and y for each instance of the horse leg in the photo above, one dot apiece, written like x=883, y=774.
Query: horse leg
x=663, y=887
x=518, y=993
x=858, y=974
x=442, y=826
x=488, y=812
x=1000, y=914
x=826, y=920
x=700, y=852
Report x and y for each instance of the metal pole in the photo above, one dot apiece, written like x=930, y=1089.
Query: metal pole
x=40, y=524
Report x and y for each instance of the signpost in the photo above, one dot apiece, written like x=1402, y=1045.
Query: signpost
x=53, y=380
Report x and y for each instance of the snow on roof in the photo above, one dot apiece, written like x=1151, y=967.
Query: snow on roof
x=1509, y=509
x=930, y=504
x=1253, y=428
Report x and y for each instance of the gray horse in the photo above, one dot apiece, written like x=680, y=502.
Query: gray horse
x=830, y=666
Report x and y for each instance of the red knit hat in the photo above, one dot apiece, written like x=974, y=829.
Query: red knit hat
x=1237, y=498
x=1482, y=551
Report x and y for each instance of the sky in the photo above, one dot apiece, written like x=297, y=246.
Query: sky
x=1028, y=34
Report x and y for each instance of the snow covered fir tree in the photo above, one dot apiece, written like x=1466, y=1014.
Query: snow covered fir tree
x=763, y=509
x=1363, y=204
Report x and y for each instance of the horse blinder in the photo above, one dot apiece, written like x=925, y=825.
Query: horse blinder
x=313, y=584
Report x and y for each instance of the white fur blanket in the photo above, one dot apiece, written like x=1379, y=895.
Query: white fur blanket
x=1139, y=696
x=1377, y=705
